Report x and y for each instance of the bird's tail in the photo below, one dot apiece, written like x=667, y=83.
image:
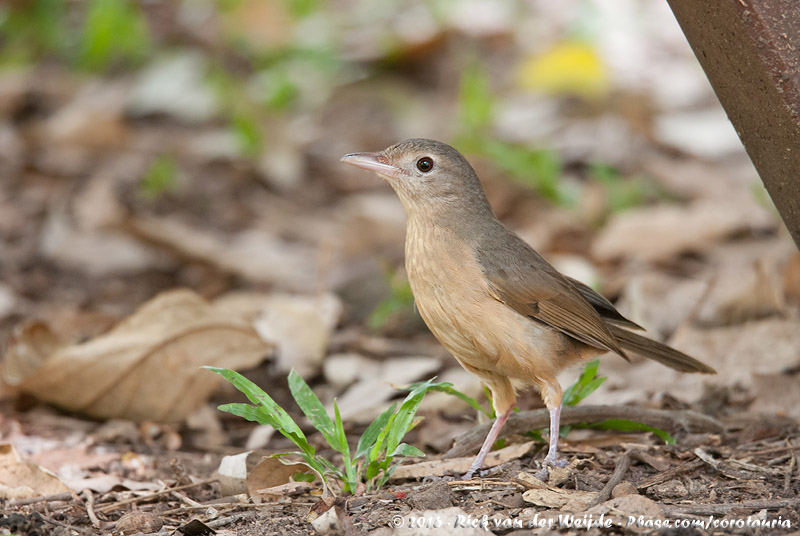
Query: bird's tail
x=658, y=352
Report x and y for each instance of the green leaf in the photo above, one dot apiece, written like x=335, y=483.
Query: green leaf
x=447, y=387
x=585, y=385
x=341, y=437
x=304, y=477
x=404, y=449
x=315, y=411
x=370, y=435
x=405, y=416
x=266, y=411
x=372, y=470
x=378, y=447
x=626, y=425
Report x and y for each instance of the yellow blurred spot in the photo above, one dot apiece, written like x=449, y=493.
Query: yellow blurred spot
x=567, y=68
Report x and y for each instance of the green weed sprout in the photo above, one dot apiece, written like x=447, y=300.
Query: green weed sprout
x=378, y=452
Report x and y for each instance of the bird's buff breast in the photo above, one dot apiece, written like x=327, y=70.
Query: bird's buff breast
x=452, y=296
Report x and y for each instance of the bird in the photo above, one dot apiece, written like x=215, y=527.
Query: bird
x=505, y=313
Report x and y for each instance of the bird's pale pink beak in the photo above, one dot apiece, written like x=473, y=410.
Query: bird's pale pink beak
x=372, y=162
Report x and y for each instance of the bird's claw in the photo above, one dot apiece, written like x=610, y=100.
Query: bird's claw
x=544, y=472
x=554, y=461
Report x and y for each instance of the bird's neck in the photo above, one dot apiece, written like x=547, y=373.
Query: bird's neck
x=458, y=218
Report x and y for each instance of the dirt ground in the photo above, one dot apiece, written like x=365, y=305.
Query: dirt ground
x=184, y=205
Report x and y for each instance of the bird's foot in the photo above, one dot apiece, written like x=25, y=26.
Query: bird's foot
x=549, y=461
x=476, y=471
x=554, y=461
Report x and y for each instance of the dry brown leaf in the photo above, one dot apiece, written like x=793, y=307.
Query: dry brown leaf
x=629, y=505
x=103, y=483
x=767, y=346
x=563, y=499
x=147, y=368
x=20, y=479
x=299, y=326
x=661, y=232
x=272, y=479
x=461, y=465
x=739, y=294
x=256, y=254
x=777, y=394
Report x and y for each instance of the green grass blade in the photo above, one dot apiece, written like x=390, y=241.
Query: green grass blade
x=405, y=416
x=370, y=435
x=447, y=387
x=349, y=466
x=378, y=447
x=315, y=411
x=586, y=384
x=626, y=425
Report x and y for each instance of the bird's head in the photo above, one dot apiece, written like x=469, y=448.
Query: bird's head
x=426, y=174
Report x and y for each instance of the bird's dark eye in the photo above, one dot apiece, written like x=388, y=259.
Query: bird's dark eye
x=425, y=164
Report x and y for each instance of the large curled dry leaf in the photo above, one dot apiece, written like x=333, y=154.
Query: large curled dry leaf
x=20, y=479
x=146, y=368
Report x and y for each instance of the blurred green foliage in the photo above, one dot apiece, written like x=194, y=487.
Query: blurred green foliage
x=107, y=33
x=537, y=169
x=28, y=33
x=114, y=31
x=160, y=177
x=400, y=301
x=623, y=193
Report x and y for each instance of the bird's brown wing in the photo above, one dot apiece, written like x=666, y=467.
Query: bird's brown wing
x=604, y=307
x=520, y=278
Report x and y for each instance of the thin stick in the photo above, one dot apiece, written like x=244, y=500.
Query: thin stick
x=623, y=464
x=87, y=494
x=669, y=474
x=728, y=508
x=525, y=421
x=787, y=477
x=222, y=521
x=114, y=506
x=67, y=495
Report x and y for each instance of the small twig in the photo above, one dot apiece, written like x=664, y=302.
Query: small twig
x=525, y=421
x=787, y=476
x=183, y=498
x=64, y=525
x=67, y=495
x=726, y=467
x=773, y=450
x=87, y=494
x=494, y=501
x=728, y=508
x=669, y=474
x=472, y=485
x=623, y=464
x=115, y=506
x=221, y=522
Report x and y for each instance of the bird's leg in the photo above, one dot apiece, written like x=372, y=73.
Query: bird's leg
x=491, y=437
x=552, y=452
